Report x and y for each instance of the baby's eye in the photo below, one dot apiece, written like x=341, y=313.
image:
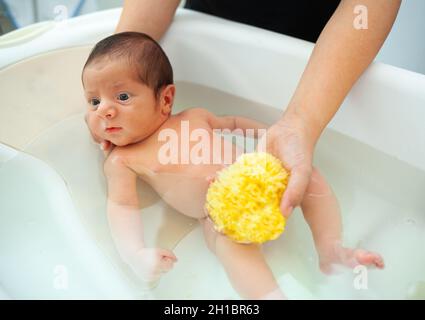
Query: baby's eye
x=94, y=102
x=123, y=96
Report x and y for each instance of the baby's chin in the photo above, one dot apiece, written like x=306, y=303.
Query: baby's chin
x=123, y=141
x=119, y=141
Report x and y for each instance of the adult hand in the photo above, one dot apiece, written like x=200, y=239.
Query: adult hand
x=340, y=56
x=289, y=140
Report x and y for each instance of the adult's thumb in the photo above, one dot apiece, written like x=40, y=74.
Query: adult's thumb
x=294, y=193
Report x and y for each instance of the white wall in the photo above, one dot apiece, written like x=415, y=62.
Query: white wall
x=24, y=11
x=405, y=45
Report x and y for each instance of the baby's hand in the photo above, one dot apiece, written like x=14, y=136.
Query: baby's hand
x=150, y=263
x=210, y=179
x=105, y=145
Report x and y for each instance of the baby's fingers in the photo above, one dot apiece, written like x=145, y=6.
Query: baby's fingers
x=167, y=264
x=210, y=179
x=106, y=146
x=167, y=260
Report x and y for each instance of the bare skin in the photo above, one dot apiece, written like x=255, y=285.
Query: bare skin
x=126, y=112
x=340, y=56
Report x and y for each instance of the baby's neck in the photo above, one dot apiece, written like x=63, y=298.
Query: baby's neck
x=159, y=127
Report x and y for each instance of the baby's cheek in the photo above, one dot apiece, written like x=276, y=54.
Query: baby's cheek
x=93, y=122
x=94, y=125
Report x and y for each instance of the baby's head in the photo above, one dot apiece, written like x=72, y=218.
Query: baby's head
x=128, y=84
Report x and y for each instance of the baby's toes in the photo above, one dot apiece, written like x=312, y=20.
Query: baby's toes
x=326, y=268
x=379, y=261
x=368, y=258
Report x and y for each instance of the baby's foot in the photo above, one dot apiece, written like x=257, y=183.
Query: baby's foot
x=349, y=258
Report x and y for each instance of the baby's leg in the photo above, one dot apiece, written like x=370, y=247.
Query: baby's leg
x=245, y=265
x=321, y=211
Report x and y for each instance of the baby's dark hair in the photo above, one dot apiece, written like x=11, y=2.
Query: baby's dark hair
x=141, y=51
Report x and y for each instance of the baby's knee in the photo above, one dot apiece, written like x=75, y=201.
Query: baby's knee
x=210, y=235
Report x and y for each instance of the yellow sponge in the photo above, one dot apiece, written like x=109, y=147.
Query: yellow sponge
x=244, y=200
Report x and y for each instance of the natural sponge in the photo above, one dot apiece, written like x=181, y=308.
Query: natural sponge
x=244, y=199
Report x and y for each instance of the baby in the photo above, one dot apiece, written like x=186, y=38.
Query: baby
x=128, y=84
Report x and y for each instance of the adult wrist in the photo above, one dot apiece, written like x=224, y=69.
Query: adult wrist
x=305, y=120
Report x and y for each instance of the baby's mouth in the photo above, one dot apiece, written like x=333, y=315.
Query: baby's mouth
x=112, y=129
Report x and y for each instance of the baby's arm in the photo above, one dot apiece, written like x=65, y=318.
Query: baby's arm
x=238, y=122
x=125, y=222
x=232, y=122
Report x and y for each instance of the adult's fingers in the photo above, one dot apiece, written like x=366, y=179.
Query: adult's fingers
x=297, y=185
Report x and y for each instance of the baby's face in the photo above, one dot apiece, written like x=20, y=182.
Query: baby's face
x=121, y=108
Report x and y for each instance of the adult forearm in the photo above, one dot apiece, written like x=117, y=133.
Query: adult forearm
x=152, y=17
x=340, y=56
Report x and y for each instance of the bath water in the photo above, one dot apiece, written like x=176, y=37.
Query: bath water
x=381, y=199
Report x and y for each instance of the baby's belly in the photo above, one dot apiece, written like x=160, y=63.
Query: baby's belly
x=184, y=186
x=185, y=191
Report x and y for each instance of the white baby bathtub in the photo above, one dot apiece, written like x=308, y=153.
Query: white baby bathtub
x=54, y=238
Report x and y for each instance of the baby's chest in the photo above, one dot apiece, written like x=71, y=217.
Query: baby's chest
x=197, y=152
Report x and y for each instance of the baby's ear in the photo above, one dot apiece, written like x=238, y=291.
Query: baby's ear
x=167, y=98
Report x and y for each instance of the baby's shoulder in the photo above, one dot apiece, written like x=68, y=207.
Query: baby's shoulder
x=117, y=157
x=138, y=159
x=123, y=155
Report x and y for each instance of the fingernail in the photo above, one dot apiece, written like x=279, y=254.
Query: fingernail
x=101, y=147
x=287, y=211
x=290, y=210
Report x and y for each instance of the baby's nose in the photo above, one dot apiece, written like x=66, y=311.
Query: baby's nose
x=107, y=110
